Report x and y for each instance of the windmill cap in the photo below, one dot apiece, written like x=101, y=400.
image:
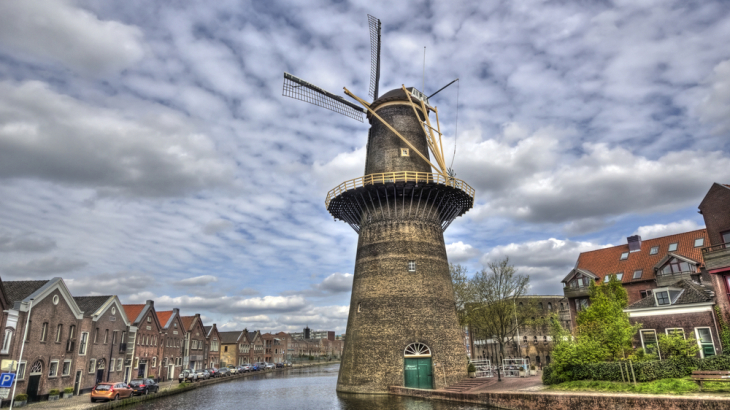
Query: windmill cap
x=394, y=95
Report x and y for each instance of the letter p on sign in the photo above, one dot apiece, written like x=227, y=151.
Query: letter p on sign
x=6, y=379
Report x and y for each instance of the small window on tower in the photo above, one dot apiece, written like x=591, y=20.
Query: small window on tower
x=404, y=152
x=411, y=266
x=358, y=308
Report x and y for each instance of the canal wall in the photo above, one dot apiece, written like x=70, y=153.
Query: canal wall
x=570, y=401
x=196, y=385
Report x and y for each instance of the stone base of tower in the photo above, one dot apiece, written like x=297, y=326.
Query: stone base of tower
x=393, y=307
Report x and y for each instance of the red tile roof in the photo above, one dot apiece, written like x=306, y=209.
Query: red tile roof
x=133, y=311
x=187, y=321
x=607, y=261
x=163, y=317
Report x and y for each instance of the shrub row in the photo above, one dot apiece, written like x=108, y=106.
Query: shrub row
x=644, y=371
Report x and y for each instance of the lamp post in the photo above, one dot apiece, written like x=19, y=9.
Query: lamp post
x=22, y=346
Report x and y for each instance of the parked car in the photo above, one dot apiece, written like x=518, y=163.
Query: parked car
x=244, y=368
x=110, y=391
x=224, y=371
x=233, y=369
x=201, y=374
x=288, y=364
x=260, y=365
x=213, y=372
x=144, y=386
x=255, y=367
x=186, y=375
x=270, y=366
x=279, y=365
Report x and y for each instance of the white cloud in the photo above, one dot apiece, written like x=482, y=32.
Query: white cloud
x=197, y=281
x=336, y=283
x=47, y=135
x=253, y=319
x=715, y=108
x=218, y=225
x=25, y=242
x=659, y=230
x=44, y=266
x=459, y=252
x=56, y=31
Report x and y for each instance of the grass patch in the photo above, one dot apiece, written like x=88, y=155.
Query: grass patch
x=664, y=386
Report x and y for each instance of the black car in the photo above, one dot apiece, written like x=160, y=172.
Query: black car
x=144, y=386
x=213, y=372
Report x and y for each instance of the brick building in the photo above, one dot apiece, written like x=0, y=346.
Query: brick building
x=244, y=349
x=173, y=342
x=214, y=346
x=196, y=352
x=51, y=353
x=143, y=342
x=106, y=324
x=256, y=346
x=641, y=266
x=229, y=347
x=534, y=342
x=715, y=209
x=669, y=289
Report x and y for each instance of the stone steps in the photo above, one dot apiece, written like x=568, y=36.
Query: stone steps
x=469, y=384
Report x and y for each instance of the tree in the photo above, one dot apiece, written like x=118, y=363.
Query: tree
x=675, y=345
x=604, y=321
x=493, y=312
x=463, y=293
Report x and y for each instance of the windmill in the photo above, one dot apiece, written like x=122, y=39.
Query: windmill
x=402, y=327
x=299, y=89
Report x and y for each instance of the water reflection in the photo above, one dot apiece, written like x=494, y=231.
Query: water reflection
x=312, y=388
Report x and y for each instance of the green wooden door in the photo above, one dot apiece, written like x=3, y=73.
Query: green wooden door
x=418, y=373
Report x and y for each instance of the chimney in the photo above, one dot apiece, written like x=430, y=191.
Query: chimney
x=634, y=243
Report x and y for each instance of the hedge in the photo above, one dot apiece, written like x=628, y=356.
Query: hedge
x=644, y=371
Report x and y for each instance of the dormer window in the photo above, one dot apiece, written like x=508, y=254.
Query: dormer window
x=672, y=247
x=654, y=250
x=675, y=265
x=699, y=242
x=624, y=256
x=666, y=296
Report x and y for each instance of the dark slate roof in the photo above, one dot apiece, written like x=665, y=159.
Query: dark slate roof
x=693, y=293
x=17, y=290
x=207, y=329
x=90, y=304
x=251, y=335
x=229, y=337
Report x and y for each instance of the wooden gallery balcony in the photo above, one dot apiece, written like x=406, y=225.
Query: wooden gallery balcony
x=716, y=256
x=575, y=292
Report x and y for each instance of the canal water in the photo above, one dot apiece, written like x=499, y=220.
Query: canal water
x=307, y=389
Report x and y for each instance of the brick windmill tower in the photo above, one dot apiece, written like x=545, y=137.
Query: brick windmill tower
x=402, y=329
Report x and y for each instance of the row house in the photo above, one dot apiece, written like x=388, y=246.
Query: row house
x=214, y=343
x=229, y=347
x=173, y=343
x=143, y=342
x=274, y=348
x=256, y=351
x=716, y=253
x=196, y=353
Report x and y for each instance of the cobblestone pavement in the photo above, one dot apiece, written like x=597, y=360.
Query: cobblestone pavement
x=531, y=383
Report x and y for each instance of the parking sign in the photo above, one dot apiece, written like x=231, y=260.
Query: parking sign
x=6, y=380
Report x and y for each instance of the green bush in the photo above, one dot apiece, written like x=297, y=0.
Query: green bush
x=68, y=390
x=471, y=368
x=675, y=367
x=54, y=392
x=21, y=397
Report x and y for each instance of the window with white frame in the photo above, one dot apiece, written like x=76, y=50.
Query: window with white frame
x=82, y=343
x=53, y=369
x=654, y=250
x=92, y=365
x=649, y=341
x=44, y=331
x=136, y=362
x=675, y=331
x=667, y=296
x=699, y=242
x=6, y=341
x=20, y=374
x=59, y=330
x=672, y=247
x=704, y=340
x=119, y=365
x=112, y=365
x=66, y=371
x=624, y=256
x=411, y=266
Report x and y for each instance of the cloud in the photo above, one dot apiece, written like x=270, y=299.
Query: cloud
x=546, y=261
x=25, y=243
x=254, y=319
x=218, y=225
x=459, y=252
x=659, y=230
x=336, y=283
x=123, y=283
x=42, y=31
x=45, y=265
x=715, y=108
x=248, y=292
x=54, y=137
x=197, y=281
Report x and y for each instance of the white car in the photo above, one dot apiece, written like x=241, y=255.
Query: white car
x=270, y=366
x=233, y=369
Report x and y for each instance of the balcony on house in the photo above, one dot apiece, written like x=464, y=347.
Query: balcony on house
x=675, y=269
x=716, y=256
x=578, y=290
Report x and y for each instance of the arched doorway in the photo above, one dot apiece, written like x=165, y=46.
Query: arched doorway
x=34, y=381
x=417, y=366
x=100, y=365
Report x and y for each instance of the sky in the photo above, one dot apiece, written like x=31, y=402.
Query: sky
x=146, y=149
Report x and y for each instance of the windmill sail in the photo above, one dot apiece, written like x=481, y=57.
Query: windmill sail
x=374, y=55
x=299, y=89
